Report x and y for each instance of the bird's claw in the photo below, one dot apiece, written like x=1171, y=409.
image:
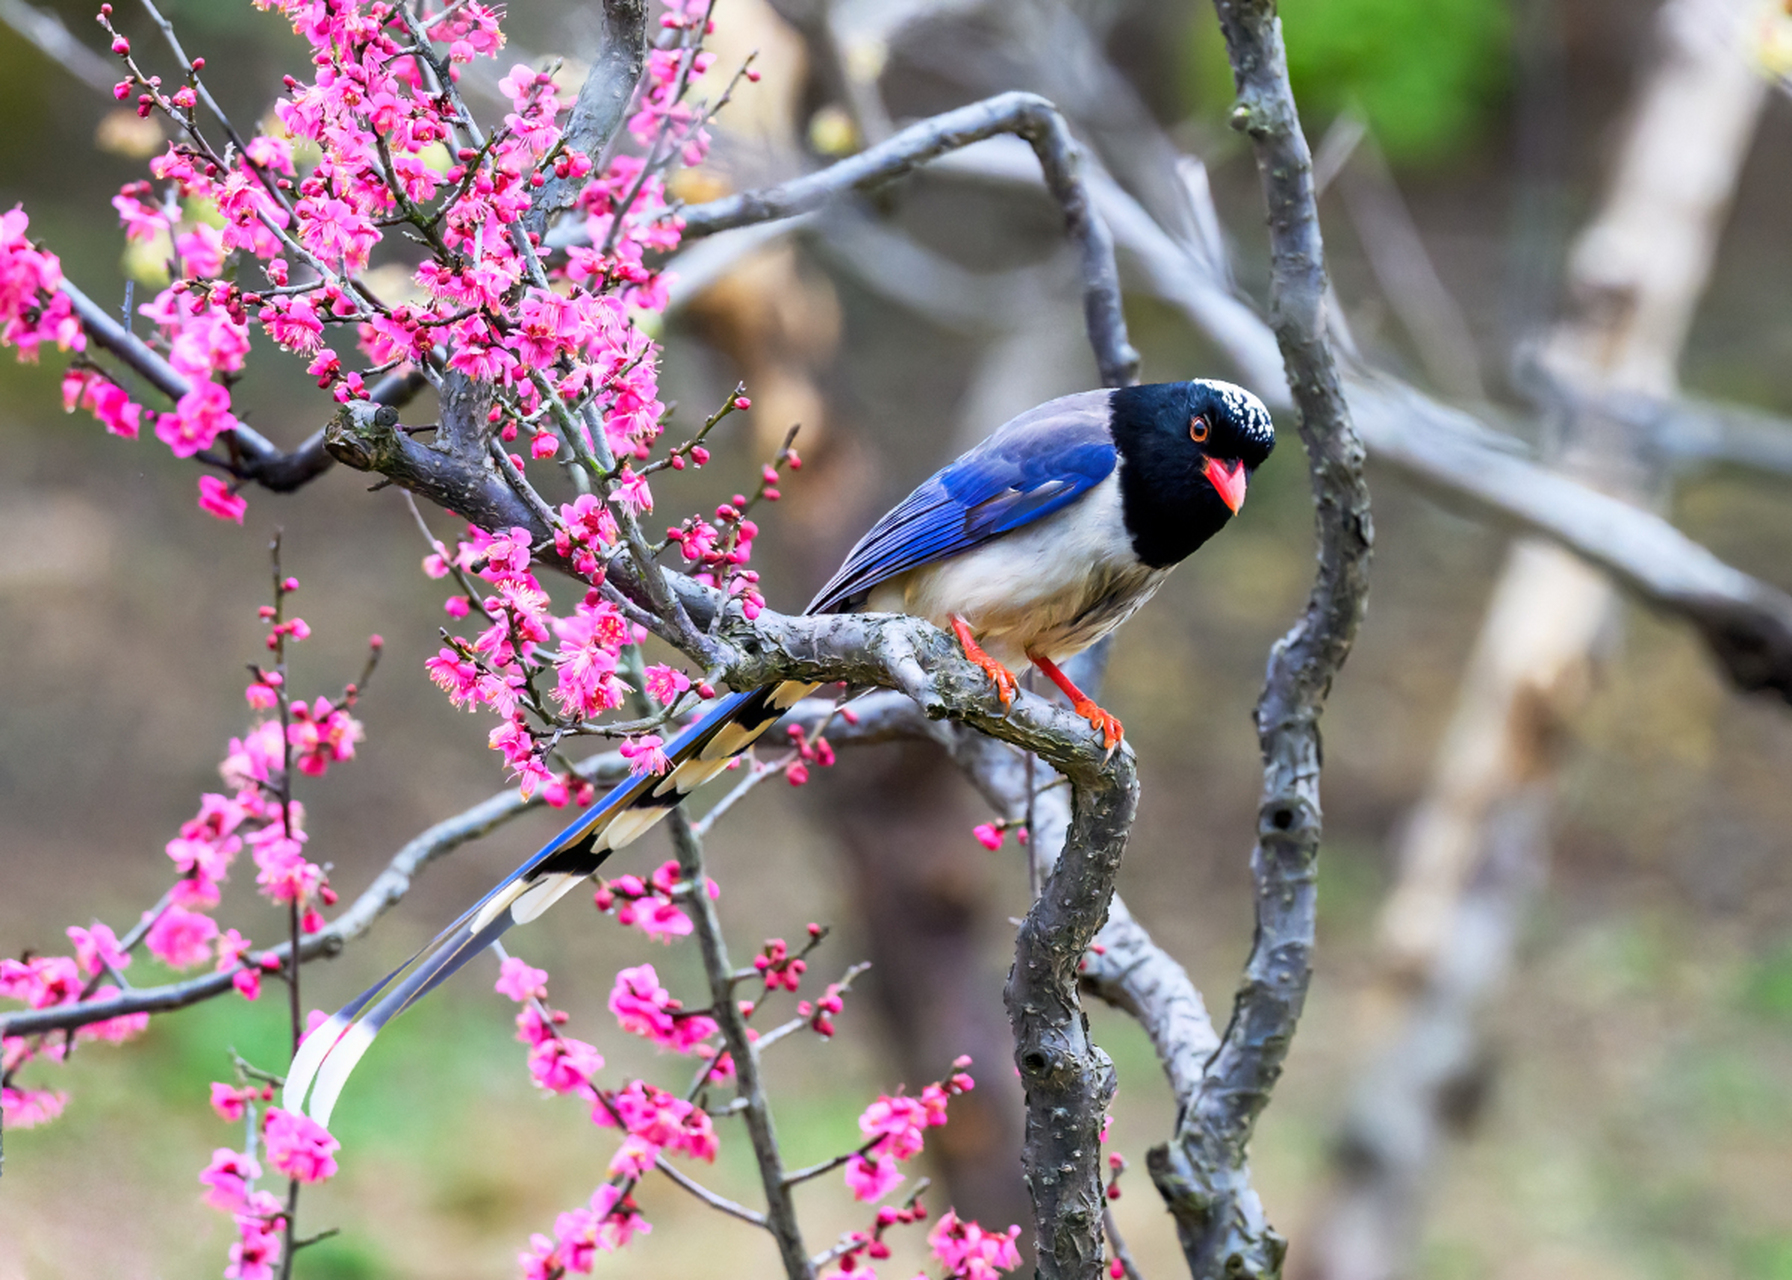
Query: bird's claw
x=1000, y=676
x=1109, y=725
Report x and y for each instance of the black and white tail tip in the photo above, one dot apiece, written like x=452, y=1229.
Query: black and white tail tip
x=330, y=1053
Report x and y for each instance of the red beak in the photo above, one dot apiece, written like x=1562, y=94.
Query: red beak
x=1228, y=480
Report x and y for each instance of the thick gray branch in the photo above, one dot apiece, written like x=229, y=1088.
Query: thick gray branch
x=1220, y=1221
x=1746, y=622
x=601, y=105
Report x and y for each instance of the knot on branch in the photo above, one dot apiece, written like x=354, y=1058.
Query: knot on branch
x=1239, y=1249
x=1289, y=823
x=365, y=436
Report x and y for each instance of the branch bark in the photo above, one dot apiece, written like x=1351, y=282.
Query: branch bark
x=1219, y=1219
x=602, y=103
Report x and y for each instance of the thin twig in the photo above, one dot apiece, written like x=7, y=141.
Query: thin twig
x=780, y=1215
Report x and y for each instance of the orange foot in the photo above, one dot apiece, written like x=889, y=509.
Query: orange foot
x=1111, y=729
x=1003, y=678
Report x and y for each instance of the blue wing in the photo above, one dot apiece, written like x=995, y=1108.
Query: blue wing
x=1032, y=466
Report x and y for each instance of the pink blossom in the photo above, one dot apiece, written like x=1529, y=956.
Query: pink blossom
x=228, y=1176
x=108, y=402
x=969, y=1252
x=258, y=756
x=215, y=498
x=207, y=843
x=644, y=755
x=520, y=981
x=97, y=949
x=988, y=834
x=644, y=1008
x=230, y=1100
x=323, y=735
x=561, y=1064
x=456, y=676
x=299, y=1146
x=259, y=1246
x=181, y=938
x=199, y=417
x=896, y=1123
x=665, y=683
x=28, y=1108
x=517, y=744
x=656, y=918
x=631, y=493
x=870, y=1180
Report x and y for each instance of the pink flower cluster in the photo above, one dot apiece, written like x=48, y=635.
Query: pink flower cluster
x=965, y=1250
x=497, y=666
x=644, y=1008
x=251, y=814
x=609, y=1223
x=48, y=982
x=32, y=312
x=778, y=967
x=652, y=1121
x=297, y=1146
x=893, y=1125
x=259, y=1216
x=649, y=904
x=968, y=1252
x=816, y=750
x=363, y=146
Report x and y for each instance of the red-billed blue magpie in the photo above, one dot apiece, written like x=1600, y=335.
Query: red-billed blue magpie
x=1031, y=547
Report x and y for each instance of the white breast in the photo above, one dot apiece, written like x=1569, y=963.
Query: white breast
x=1054, y=587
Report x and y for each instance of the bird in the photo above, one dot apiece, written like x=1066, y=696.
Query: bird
x=1030, y=547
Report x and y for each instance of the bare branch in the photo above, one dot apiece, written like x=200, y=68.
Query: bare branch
x=45, y=30
x=249, y=454
x=1023, y=114
x=1219, y=1219
x=709, y=1197
x=1746, y=622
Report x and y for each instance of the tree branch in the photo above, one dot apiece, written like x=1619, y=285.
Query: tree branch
x=249, y=455
x=1025, y=115
x=387, y=891
x=601, y=105
x=780, y=1207
x=1219, y=1219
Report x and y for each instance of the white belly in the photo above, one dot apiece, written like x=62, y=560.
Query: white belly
x=1053, y=588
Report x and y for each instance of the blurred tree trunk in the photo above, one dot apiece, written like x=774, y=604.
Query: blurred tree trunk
x=1635, y=276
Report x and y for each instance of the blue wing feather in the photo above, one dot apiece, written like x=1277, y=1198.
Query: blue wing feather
x=1029, y=468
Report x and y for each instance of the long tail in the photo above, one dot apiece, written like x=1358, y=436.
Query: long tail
x=330, y=1053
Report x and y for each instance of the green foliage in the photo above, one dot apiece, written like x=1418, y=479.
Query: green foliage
x=1768, y=1259
x=1423, y=72
x=1769, y=989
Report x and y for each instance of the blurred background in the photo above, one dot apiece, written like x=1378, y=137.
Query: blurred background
x=1619, y=1099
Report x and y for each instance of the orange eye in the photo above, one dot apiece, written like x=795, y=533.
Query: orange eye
x=1197, y=430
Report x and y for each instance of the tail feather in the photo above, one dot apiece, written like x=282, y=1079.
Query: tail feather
x=327, y=1056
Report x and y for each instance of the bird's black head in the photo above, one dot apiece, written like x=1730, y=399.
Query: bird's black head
x=1187, y=450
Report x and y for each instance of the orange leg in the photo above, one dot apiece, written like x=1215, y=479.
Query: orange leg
x=1081, y=703
x=1003, y=678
